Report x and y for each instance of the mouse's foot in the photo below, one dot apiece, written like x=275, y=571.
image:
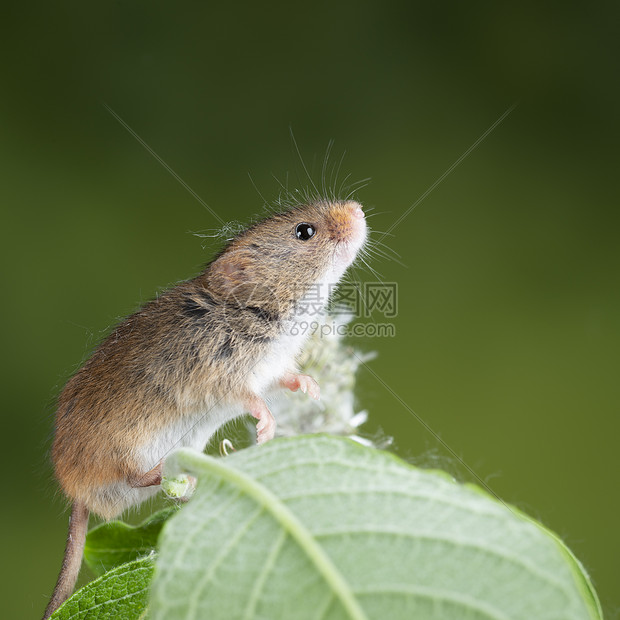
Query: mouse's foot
x=151, y=478
x=266, y=427
x=305, y=383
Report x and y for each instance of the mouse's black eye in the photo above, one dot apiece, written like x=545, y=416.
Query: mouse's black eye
x=304, y=231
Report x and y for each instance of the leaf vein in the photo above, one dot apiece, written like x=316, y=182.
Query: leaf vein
x=449, y=539
x=194, y=599
x=257, y=590
x=278, y=510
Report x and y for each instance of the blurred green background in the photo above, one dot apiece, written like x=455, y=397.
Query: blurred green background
x=507, y=337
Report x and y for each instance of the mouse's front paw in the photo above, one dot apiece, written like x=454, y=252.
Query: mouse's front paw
x=266, y=427
x=265, y=430
x=305, y=383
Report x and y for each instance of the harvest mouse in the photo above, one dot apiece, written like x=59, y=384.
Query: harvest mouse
x=199, y=355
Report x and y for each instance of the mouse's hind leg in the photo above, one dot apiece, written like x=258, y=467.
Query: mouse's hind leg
x=110, y=500
x=151, y=478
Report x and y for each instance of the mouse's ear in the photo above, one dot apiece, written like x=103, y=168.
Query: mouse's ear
x=234, y=276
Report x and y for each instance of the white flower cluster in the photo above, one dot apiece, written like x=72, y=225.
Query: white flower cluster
x=333, y=364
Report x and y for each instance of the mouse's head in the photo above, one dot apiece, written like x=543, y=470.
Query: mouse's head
x=281, y=259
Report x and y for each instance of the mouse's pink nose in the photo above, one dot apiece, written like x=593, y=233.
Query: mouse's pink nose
x=358, y=212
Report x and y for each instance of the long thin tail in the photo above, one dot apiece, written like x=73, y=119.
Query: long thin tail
x=78, y=524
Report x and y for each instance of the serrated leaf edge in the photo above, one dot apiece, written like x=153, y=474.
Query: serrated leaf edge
x=122, y=569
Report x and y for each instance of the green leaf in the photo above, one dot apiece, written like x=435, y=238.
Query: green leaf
x=120, y=593
x=115, y=543
x=319, y=527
